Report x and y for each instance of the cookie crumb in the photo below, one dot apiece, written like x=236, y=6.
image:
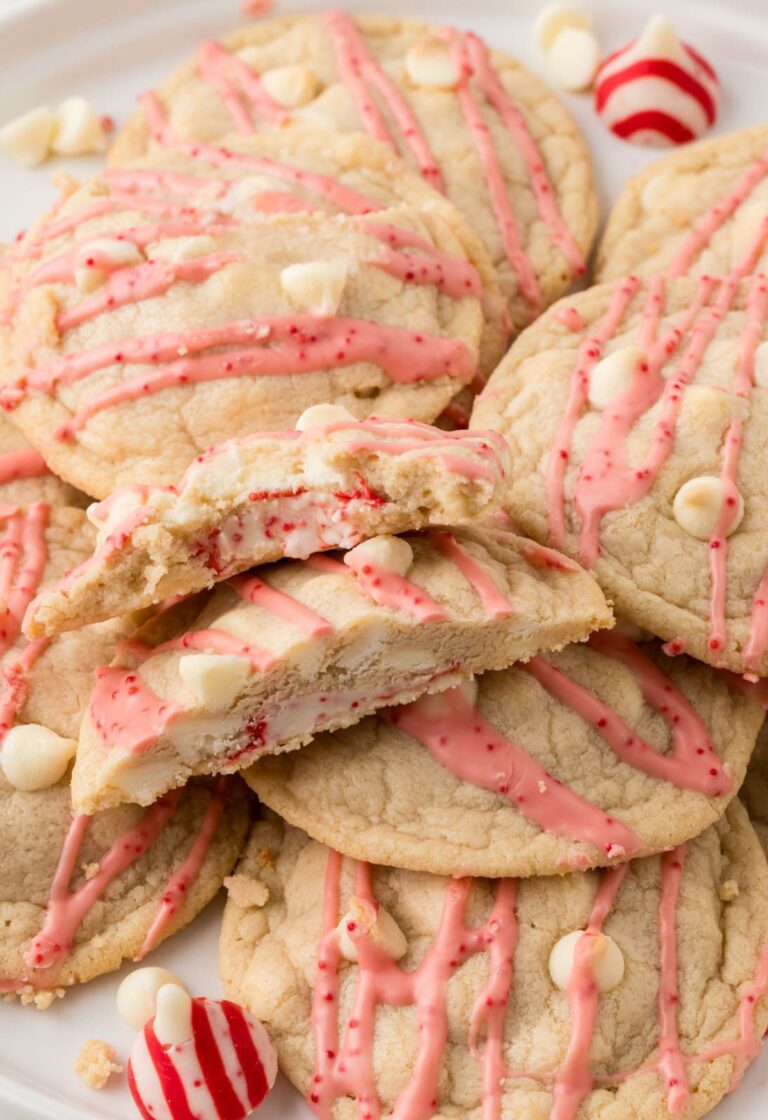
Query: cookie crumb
x=90, y=870
x=729, y=890
x=95, y=1063
x=246, y=892
x=41, y=999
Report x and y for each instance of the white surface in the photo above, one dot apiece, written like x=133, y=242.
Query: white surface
x=109, y=50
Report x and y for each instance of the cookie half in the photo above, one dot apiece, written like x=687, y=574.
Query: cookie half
x=437, y=997
x=635, y=413
x=331, y=483
x=286, y=651
x=576, y=759
x=474, y=122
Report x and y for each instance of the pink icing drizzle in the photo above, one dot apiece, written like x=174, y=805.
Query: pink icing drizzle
x=218, y=67
x=569, y=317
x=455, y=277
x=27, y=463
x=671, y=1061
x=494, y=603
x=126, y=712
x=255, y=590
x=389, y=589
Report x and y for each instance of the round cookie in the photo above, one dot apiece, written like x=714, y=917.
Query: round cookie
x=149, y=325
x=533, y=777
x=635, y=413
x=447, y=1031
x=302, y=169
x=473, y=121
x=702, y=210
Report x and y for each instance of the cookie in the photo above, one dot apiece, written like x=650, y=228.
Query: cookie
x=635, y=413
x=80, y=895
x=149, y=325
x=330, y=483
x=754, y=793
x=664, y=1003
x=303, y=169
x=24, y=474
x=474, y=122
x=288, y=650
x=701, y=211
x=577, y=759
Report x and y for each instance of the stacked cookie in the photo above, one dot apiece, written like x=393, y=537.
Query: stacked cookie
x=499, y=865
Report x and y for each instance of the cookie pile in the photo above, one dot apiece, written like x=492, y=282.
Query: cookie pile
x=353, y=555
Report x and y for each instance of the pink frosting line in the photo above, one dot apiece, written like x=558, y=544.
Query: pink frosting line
x=217, y=66
x=388, y=589
x=126, y=713
x=23, y=557
x=497, y=187
x=255, y=590
x=455, y=277
x=462, y=740
x=15, y=465
x=357, y=66
x=493, y=601
x=177, y=889
x=216, y=641
x=14, y=682
x=67, y=909
x=672, y=1065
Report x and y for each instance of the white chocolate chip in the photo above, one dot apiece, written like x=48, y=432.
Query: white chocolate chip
x=613, y=375
x=430, y=64
x=173, y=1015
x=761, y=365
x=27, y=139
x=77, y=129
x=137, y=994
x=34, y=757
x=607, y=961
x=96, y=259
x=186, y=248
x=470, y=689
x=215, y=678
x=573, y=59
x=393, y=554
x=553, y=19
x=110, y=513
x=290, y=86
x=378, y=925
x=321, y=415
x=316, y=286
x=698, y=505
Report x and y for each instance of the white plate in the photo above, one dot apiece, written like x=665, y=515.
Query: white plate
x=109, y=51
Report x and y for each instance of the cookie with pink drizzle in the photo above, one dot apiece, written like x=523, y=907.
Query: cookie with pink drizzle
x=331, y=483
x=434, y=997
x=576, y=759
x=24, y=474
x=282, y=652
x=636, y=411
x=147, y=325
x=472, y=121
x=703, y=210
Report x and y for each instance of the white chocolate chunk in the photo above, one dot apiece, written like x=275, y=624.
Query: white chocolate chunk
x=77, y=129
x=393, y=554
x=659, y=40
x=698, y=505
x=173, y=1015
x=573, y=59
x=553, y=19
x=761, y=365
x=215, y=678
x=110, y=513
x=378, y=925
x=321, y=415
x=613, y=375
x=137, y=995
x=316, y=286
x=470, y=689
x=96, y=259
x=607, y=961
x=186, y=248
x=290, y=86
x=430, y=64
x=34, y=757
x=27, y=138
x=654, y=191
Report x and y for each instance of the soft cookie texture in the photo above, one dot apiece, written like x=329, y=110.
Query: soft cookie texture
x=143, y=893
x=331, y=483
x=473, y=121
x=635, y=414
x=24, y=474
x=290, y=965
x=703, y=210
x=418, y=788
x=304, y=169
x=279, y=654
x=148, y=325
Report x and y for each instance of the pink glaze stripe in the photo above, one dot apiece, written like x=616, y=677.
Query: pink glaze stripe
x=388, y=589
x=16, y=465
x=493, y=601
x=126, y=713
x=453, y=276
x=177, y=889
x=494, y=177
x=461, y=739
x=15, y=683
x=220, y=70
x=66, y=908
x=357, y=66
x=672, y=1066
x=217, y=641
x=255, y=590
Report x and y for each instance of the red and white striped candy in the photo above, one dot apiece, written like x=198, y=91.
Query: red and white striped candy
x=656, y=90
x=222, y=1072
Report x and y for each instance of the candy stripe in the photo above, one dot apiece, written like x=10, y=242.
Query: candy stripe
x=223, y=1096
x=171, y=1084
x=657, y=68
x=653, y=120
x=251, y=1065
